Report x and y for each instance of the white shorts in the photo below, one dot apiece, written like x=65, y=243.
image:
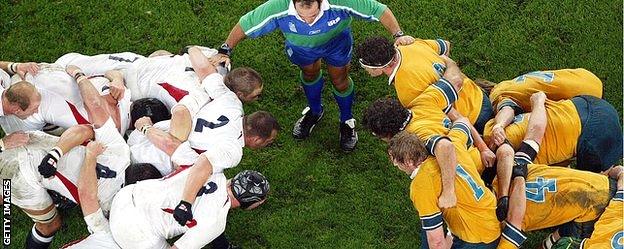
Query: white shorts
x=129, y=226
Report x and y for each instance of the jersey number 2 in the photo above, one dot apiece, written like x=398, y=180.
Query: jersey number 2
x=201, y=123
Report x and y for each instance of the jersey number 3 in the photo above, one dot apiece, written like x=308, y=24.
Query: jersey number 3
x=201, y=123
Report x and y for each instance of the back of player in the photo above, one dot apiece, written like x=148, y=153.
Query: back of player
x=558, y=195
x=421, y=66
x=563, y=128
x=141, y=216
x=101, y=63
x=473, y=220
x=556, y=84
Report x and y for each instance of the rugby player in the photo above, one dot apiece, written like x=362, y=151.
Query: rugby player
x=141, y=216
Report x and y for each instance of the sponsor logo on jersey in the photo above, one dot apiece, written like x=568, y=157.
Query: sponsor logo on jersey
x=333, y=22
x=314, y=32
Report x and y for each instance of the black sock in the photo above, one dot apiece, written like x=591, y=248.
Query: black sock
x=36, y=240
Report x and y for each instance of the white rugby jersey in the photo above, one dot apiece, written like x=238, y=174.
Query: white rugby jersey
x=61, y=102
x=166, y=78
x=156, y=199
x=5, y=80
x=143, y=151
x=217, y=129
x=111, y=166
x=101, y=63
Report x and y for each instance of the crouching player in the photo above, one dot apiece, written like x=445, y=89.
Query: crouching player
x=142, y=217
x=472, y=222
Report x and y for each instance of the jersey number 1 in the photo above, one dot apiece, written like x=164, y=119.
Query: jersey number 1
x=477, y=190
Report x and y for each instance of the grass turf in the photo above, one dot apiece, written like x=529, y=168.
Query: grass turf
x=322, y=197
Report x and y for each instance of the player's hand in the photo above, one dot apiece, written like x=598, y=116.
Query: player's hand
x=47, y=167
x=28, y=67
x=117, y=89
x=538, y=98
x=217, y=59
x=95, y=148
x=15, y=139
x=502, y=207
x=488, y=157
x=72, y=70
x=447, y=200
x=182, y=213
x=498, y=135
x=142, y=121
x=404, y=40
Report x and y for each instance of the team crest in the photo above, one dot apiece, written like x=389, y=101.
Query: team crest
x=292, y=27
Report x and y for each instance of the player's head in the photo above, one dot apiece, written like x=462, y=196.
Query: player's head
x=261, y=129
x=386, y=117
x=376, y=54
x=245, y=82
x=406, y=151
x=150, y=107
x=139, y=172
x=22, y=99
x=160, y=53
x=308, y=10
x=249, y=188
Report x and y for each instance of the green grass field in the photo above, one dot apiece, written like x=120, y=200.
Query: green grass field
x=321, y=197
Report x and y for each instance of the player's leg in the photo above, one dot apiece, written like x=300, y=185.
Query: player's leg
x=504, y=165
x=337, y=57
x=312, y=83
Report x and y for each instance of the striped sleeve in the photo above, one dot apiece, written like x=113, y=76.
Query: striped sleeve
x=619, y=195
x=513, y=235
x=431, y=143
x=263, y=19
x=431, y=222
x=508, y=102
x=460, y=132
x=363, y=9
x=447, y=90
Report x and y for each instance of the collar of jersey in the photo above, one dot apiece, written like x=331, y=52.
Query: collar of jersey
x=391, y=78
x=293, y=12
x=414, y=173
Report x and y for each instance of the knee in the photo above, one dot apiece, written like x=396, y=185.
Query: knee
x=310, y=76
x=341, y=84
x=505, y=151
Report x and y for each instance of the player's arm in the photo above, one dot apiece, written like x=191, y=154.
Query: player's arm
x=453, y=73
x=117, y=83
x=503, y=118
x=436, y=239
x=19, y=68
x=162, y=140
x=537, y=119
x=87, y=182
x=94, y=103
x=198, y=175
x=13, y=140
x=423, y=196
x=71, y=138
x=487, y=156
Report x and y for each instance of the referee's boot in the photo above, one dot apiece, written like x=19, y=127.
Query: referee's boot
x=303, y=126
x=348, y=135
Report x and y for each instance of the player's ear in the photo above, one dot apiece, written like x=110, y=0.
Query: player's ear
x=257, y=204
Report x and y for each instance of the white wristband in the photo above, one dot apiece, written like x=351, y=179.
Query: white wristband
x=2, y=145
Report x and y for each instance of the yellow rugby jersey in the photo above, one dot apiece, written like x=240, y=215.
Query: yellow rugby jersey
x=429, y=118
x=556, y=84
x=563, y=128
x=474, y=218
x=421, y=66
x=609, y=230
x=557, y=195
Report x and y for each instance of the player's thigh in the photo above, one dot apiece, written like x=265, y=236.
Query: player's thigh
x=306, y=58
x=30, y=197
